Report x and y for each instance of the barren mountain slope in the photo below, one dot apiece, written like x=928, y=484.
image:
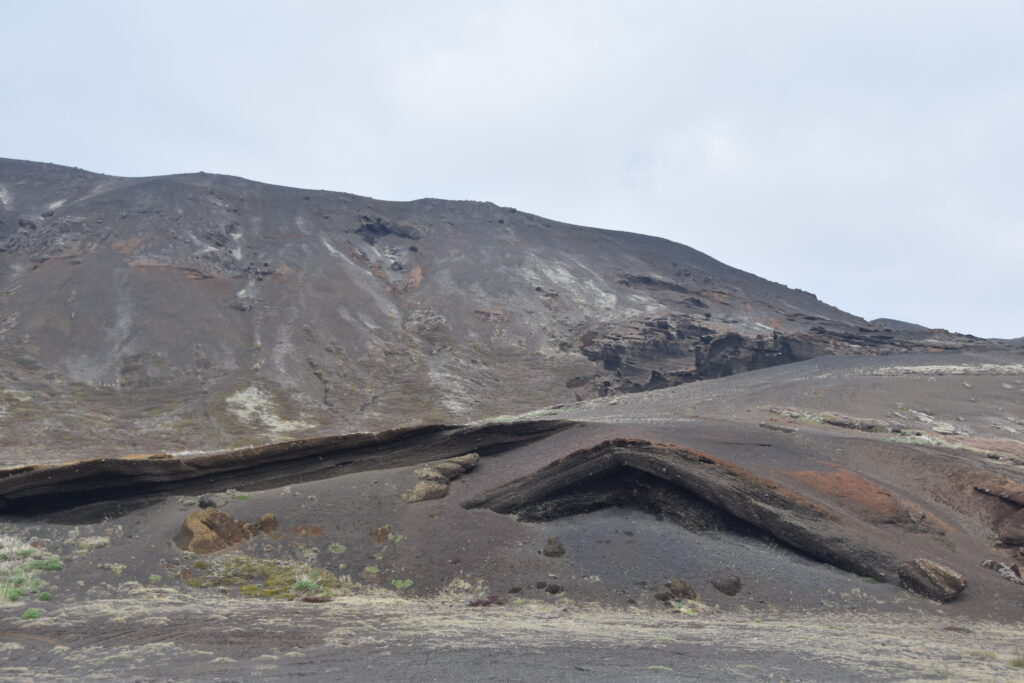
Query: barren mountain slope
x=202, y=311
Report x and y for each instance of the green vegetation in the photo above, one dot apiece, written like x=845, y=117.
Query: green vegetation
x=263, y=578
x=401, y=584
x=336, y=548
x=45, y=596
x=21, y=564
x=1017, y=662
x=155, y=578
x=32, y=613
x=49, y=564
x=371, y=569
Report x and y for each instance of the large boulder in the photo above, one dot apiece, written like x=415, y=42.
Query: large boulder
x=931, y=580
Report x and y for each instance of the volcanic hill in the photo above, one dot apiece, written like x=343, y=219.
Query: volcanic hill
x=204, y=311
x=453, y=441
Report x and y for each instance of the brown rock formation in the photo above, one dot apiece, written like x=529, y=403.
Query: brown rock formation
x=931, y=580
x=209, y=530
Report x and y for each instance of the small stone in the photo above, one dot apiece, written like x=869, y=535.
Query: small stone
x=554, y=547
x=426, y=490
x=931, y=580
x=554, y=588
x=268, y=523
x=728, y=584
x=515, y=589
x=380, y=534
x=207, y=502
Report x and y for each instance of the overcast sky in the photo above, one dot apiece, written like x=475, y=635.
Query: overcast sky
x=869, y=152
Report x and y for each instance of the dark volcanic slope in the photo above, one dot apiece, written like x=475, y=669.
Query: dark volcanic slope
x=203, y=311
x=784, y=506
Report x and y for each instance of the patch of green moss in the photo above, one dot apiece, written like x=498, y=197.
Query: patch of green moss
x=257, y=577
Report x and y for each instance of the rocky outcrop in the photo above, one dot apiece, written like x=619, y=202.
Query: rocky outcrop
x=931, y=580
x=46, y=489
x=209, y=530
x=692, y=488
x=1011, y=530
x=1008, y=528
x=705, y=493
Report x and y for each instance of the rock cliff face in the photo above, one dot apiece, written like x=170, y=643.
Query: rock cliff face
x=200, y=311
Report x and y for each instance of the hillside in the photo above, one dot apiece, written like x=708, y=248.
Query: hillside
x=201, y=311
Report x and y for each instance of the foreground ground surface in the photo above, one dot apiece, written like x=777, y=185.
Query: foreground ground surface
x=161, y=634
x=756, y=526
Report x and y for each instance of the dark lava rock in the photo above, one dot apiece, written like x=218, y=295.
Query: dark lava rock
x=515, y=589
x=207, y=502
x=554, y=588
x=554, y=547
x=541, y=585
x=931, y=580
x=729, y=584
x=681, y=590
